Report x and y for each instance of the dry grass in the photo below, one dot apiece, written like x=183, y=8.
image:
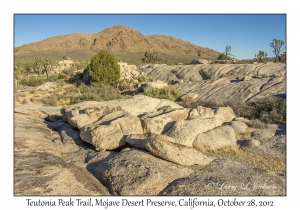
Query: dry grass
x=257, y=160
x=64, y=94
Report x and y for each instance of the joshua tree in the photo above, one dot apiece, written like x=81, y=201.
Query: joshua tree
x=227, y=51
x=226, y=55
x=261, y=56
x=277, y=45
x=49, y=64
x=38, y=64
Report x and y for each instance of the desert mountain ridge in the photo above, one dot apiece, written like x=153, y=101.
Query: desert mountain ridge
x=123, y=42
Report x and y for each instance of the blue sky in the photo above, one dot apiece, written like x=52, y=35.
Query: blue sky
x=246, y=34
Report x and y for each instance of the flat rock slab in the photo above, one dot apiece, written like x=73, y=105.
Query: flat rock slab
x=217, y=83
x=136, y=105
x=134, y=172
x=50, y=110
x=227, y=178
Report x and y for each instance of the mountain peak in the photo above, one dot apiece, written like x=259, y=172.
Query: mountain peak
x=122, y=41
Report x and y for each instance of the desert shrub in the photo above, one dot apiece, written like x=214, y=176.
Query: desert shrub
x=244, y=62
x=52, y=78
x=256, y=123
x=62, y=76
x=91, y=92
x=85, y=97
x=51, y=100
x=32, y=81
x=270, y=110
x=104, y=68
x=164, y=93
x=70, y=72
x=144, y=78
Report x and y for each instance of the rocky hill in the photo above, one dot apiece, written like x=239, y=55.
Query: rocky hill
x=125, y=43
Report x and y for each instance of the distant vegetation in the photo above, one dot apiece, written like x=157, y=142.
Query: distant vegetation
x=261, y=57
x=151, y=57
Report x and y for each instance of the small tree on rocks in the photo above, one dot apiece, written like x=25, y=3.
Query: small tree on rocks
x=104, y=68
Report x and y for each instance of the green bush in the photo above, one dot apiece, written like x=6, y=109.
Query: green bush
x=144, y=78
x=104, y=68
x=164, y=93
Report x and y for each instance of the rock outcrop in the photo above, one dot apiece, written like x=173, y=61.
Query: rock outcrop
x=49, y=162
x=143, y=146
x=217, y=83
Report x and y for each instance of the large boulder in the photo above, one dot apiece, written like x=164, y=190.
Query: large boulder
x=176, y=153
x=160, y=121
x=217, y=138
x=239, y=127
x=110, y=132
x=135, y=172
x=201, y=112
x=186, y=131
x=226, y=114
x=200, y=61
